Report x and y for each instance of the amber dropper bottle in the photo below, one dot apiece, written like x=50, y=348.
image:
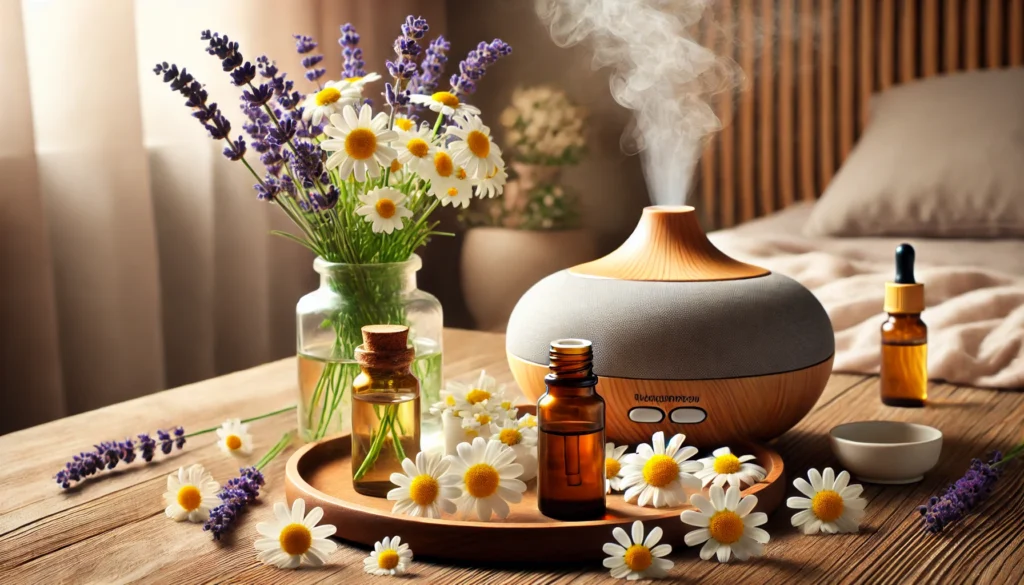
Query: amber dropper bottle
x=570, y=447
x=904, y=370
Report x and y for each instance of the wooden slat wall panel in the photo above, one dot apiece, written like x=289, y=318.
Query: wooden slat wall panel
x=812, y=67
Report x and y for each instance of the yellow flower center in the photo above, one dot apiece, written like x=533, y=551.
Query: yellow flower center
x=528, y=422
x=295, y=539
x=233, y=442
x=726, y=527
x=477, y=395
x=387, y=559
x=423, y=490
x=479, y=144
x=354, y=79
x=447, y=98
x=510, y=437
x=481, y=480
x=612, y=467
x=361, y=143
x=472, y=434
x=396, y=166
x=638, y=558
x=461, y=174
x=453, y=191
x=418, y=147
x=449, y=400
x=189, y=497
x=727, y=463
x=827, y=505
x=404, y=124
x=385, y=207
x=327, y=95
x=660, y=470
x=483, y=418
x=506, y=405
x=443, y=164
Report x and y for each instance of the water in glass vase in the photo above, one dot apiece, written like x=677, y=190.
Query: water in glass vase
x=387, y=431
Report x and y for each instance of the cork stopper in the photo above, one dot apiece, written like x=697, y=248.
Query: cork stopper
x=385, y=346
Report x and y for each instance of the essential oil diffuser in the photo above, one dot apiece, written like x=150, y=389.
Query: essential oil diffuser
x=686, y=339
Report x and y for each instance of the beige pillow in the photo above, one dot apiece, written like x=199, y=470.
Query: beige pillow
x=941, y=157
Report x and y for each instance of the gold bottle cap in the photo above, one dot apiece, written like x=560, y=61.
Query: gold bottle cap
x=905, y=295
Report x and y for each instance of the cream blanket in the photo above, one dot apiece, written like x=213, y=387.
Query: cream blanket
x=975, y=309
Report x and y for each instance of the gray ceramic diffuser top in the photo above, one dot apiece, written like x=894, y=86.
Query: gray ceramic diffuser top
x=676, y=330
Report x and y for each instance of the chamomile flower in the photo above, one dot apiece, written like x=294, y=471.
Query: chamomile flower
x=445, y=102
x=472, y=148
x=404, y=123
x=383, y=207
x=424, y=490
x=487, y=476
x=521, y=440
x=329, y=101
x=415, y=150
x=293, y=538
x=725, y=468
x=492, y=184
x=635, y=557
x=191, y=494
x=725, y=525
x=528, y=421
x=389, y=557
x=831, y=505
x=359, y=143
x=660, y=475
x=359, y=82
x=613, y=467
x=442, y=174
x=234, y=437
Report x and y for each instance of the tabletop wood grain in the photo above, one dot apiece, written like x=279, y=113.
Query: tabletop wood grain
x=111, y=529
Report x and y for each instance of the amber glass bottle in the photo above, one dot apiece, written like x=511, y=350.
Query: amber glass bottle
x=570, y=424
x=904, y=369
x=385, y=409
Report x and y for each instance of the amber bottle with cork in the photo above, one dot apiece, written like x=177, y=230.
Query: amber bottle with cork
x=385, y=409
x=904, y=369
x=570, y=425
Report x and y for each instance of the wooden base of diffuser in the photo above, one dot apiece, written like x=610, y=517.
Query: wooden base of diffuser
x=321, y=474
x=754, y=408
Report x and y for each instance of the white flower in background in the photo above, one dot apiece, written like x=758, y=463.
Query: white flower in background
x=191, y=494
x=544, y=127
x=528, y=421
x=415, y=150
x=445, y=102
x=831, y=504
x=523, y=441
x=637, y=557
x=329, y=101
x=360, y=82
x=424, y=490
x=389, y=557
x=487, y=476
x=725, y=525
x=359, y=144
x=293, y=538
x=660, y=475
x=234, y=437
x=404, y=123
x=613, y=467
x=492, y=184
x=472, y=148
x=725, y=468
x=383, y=206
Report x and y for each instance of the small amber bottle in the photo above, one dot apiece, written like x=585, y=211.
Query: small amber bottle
x=385, y=409
x=570, y=424
x=904, y=369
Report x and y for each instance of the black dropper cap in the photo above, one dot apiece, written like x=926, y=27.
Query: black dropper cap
x=905, y=264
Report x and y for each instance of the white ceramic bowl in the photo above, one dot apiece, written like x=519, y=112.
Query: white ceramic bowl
x=889, y=452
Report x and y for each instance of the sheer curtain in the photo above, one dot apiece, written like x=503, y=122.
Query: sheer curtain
x=133, y=256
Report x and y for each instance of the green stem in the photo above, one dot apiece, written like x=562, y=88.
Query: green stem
x=244, y=420
x=1016, y=451
x=390, y=412
x=281, y=445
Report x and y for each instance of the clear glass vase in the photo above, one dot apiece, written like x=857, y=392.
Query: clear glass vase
x=329, y=322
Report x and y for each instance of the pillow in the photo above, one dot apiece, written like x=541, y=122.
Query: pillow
x=941, y=157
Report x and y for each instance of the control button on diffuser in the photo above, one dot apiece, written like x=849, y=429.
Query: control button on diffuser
x=687, y=415
x=646, y=414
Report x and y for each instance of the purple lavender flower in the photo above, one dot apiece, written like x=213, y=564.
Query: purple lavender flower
x=407, y=49
x=208, y=114
x=351, y=54
x=473, y=67
x=399, y=98
x=327, y=200
x=235, y=150
x=223, y=48
x=304, y=45
x=243, y=74
x=108, y=454
x=434, y=60
x=962, y=496
x=237, y=494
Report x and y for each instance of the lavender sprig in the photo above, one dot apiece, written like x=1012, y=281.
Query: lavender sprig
x=475, y=65
x=404, y=67
x=305, y=45
x=108, y=454
x=351, y=54
x=431, y=68
x=960, y=498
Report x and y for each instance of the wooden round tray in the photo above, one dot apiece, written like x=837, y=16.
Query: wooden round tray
x=321, y=474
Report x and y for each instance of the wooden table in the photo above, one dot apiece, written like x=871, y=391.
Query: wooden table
x=112, y=529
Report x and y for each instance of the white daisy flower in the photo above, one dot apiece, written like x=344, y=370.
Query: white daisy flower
x=528, y=421
x=415, y=150
x=404, y=123
x=725, y=468
x=293, y=538
x=424, y=490
x=445, y=102
x=493, y=184
x=329, y=101
x=487, y=476
x=389, y=557
x=613, y=467
x=831, y=504
x=447, y=181
x=383, y=206
x=234, y=437
x=637, y=557
x=358, y=83
x=473, y=149
x=725, y=525
x=660, y=475
x=191, y=494
x=521, y=440
x=359, y=143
